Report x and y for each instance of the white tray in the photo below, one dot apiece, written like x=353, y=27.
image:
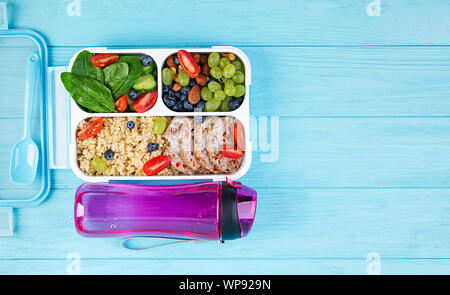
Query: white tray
x=160, y=109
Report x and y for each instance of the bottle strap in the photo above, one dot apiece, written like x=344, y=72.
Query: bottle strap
x=174, y=241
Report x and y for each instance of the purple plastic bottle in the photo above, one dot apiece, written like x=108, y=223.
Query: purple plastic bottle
x=207, y=210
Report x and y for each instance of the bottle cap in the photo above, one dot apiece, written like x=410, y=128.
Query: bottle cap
x=237, y=210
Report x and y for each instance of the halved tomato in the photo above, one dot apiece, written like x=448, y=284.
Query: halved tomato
x=188, y=63
x=239, y=138
x=121, y=104
x=230, y=151
x=156, y=165
x=104, y=59
x=145, y=101
x=91, y=129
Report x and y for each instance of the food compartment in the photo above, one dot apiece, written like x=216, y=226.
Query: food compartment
x=160, y=146
x=211, y=81
x=108, y=82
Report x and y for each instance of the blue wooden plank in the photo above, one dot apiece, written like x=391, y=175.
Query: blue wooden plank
x=345, y=152
x=340, y=81
x=362, y=163
x=221, y=267
x=235, y=22
x=290, y=223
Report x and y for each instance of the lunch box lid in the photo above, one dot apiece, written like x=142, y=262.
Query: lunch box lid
x=17, y=46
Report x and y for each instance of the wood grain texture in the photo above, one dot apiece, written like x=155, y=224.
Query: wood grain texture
x=255, y=22
x=364, y=130
x=222, y=267
x=290, y=223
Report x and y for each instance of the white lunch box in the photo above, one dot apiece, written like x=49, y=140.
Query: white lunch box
x=77, y=114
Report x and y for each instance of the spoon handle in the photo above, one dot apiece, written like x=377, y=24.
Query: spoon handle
x=33, y=67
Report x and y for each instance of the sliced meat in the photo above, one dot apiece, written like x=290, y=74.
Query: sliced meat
x=186, y=139
x=220, y=132
x=200, y=138
x=173, y=149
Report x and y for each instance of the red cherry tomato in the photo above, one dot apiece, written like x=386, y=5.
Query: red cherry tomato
x=145, y=101
x=229, y=151
x=156, y=165
x=188, y=63
x=104, y=59
x=238, y=133
x=121, y=104
x=91, y=129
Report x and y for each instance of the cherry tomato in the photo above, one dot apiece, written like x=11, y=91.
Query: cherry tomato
x=145, y=101
x=238, y=133
x=156, y=165
x=121, y=104
x=188, y=63
x=229, y=151
x=91, y=129
x=104, y=59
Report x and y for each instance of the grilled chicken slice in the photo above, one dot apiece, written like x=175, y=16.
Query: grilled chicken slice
x=220, y=132
x=173, y=150
x=200, y=138
x=186, y=139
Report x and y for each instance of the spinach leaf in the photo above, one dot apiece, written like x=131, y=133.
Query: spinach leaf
x=83, y=66
x=115, y=75
x=89, y=93
x=135, y=71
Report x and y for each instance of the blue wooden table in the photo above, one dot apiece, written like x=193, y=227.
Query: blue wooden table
x=350, y=105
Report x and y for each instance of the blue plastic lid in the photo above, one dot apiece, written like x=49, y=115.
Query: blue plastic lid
x=16, y=46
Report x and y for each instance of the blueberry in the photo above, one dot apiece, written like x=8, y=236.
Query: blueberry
x=171, y=93
x=170, y=102
x=147, y=60
x=187, y=106
x=133, y=94
x=130, y=125
x=183, y=97
x=165, y=89
x=178, y=106
x=211, y=79
x=192, y=82
x=152, y=147
x=109, y=154
x=176, y=61
x=185, y=90
x=234, y=103
x=200, y=106
x=177, y=95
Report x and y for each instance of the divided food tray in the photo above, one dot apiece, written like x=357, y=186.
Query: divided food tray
x=77, y=114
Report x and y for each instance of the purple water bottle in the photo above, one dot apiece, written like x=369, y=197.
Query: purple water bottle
x=208, y=210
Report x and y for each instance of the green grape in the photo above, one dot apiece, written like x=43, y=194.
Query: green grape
x=228, y=71
x=212, y=105
x=98, y=164
x=230, y=90
x=238, y=65
x=206, y=93
x=239, y=77
x=223, y=62
x=219, y=95
x=213, y=59
x=159, y=126
x=183, y=78
x=166, y=76
x=240, y=90
x=229, y=82
x=214, y=86
x=224, y=105
x=216, y=72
